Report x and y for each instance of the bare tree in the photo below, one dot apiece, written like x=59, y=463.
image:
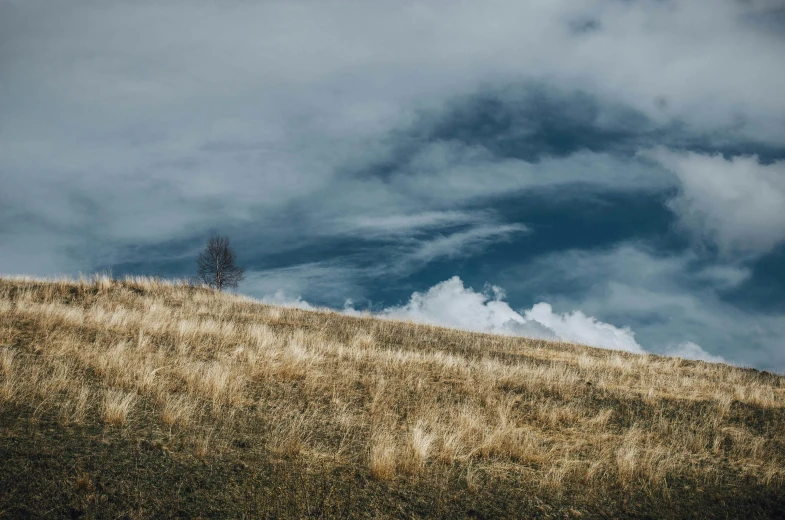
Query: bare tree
x=216, y=264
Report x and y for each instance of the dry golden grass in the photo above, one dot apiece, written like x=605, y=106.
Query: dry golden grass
x=177, y=410
x=117, y=406
x=398, y=398
x=383, y=456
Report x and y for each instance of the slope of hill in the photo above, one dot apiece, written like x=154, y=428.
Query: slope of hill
x=147, y=399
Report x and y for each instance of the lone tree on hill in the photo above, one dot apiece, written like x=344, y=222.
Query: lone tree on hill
x=216, y=264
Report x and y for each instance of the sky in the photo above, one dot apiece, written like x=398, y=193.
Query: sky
x=604, y=172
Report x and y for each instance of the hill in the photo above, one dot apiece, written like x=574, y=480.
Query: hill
x=142, y=398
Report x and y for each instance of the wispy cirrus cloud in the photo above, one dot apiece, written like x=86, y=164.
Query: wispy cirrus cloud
x=378, y=226
x=461, y=243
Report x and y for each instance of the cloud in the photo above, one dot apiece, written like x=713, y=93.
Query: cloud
x=667, y=299
x=397, y=224
x=576, y=327
x=690, y=350
x=724, y=276
x=141, y=123
x=462, y=242
x=327, y=281
x=281, y=299
x=404, y=245
x=738, y=204
x=460, y=172
x=450, y=304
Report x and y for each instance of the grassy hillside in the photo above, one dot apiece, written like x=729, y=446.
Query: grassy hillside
x=143, y=399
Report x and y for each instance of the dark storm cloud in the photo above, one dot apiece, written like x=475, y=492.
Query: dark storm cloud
x=530, y=121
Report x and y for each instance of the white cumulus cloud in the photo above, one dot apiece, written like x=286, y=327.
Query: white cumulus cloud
x=450, y=304
x=281, y=299
x=690, y=350
x=576, y=327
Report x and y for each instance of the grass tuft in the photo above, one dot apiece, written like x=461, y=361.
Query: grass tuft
x=383, y=457
x=117, y=406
